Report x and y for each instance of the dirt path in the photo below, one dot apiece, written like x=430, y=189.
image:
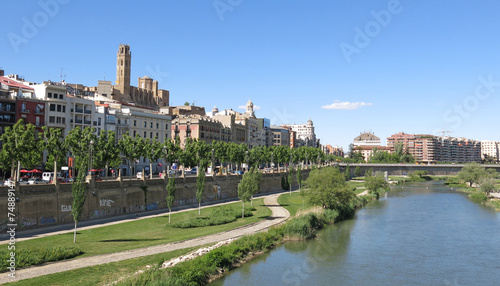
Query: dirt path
x=279, y=214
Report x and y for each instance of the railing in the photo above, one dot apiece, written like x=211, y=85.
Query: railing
x=87, y=111
x=25, y=111
x=78, y=121
x=79, y=110
x=87, y=122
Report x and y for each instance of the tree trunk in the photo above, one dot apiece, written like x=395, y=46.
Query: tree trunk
x=243, y=210
x=74, y=236
x=130, y=170
x=150, y=170
x=169, y=211
x=106, y=170
x=199, y=208
x=55, y=172
x=18, y=171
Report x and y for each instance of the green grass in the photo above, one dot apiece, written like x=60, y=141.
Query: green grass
x=142, y=233
x=105, y=273
x=293, y=202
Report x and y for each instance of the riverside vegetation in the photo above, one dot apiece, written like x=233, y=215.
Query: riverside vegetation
x=325, y=188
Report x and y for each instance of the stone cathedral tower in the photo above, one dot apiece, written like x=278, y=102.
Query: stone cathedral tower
x=123, y=61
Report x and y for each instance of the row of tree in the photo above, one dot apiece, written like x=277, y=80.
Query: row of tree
x=23, y=148
x=400, y=155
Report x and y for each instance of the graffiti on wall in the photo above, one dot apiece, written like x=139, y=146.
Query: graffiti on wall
x=105, y=203
x=65, y=208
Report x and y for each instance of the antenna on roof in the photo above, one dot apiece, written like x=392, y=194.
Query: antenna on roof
x=63, y=77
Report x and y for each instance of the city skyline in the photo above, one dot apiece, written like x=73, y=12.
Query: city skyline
x=387, y=67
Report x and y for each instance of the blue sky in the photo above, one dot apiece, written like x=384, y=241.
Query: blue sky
x=350, y=66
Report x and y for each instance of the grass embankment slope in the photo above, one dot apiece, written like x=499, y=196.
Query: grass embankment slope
x=205, y=268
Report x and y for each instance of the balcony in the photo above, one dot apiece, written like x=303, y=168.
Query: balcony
x=88, y=122
x=87, y=111
x=38, y=111
x=25, y=111
x=78, y=110
x=78, y=121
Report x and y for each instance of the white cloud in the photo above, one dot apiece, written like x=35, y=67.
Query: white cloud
x=255, y=107
x=346, y=105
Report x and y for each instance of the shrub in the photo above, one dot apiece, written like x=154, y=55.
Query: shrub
x=37, y=256
x=220, y=215
x=479, y=196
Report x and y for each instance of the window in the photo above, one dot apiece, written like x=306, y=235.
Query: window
x=61, y=96
x=145, y=124
x=23, y=106
x=64, y=108
x=157, y=135
x=166, y=126
x=151, y=135
x=63, y=120
x=49, y=95
x=145, y=134
x=52, y=107
x=37, y=121
x=99, y=121
x=135, y=122
x=157, y=125
x=52, y=119
x=59, y=108
x=134, y=133
x=151, y=124
x=58, y=119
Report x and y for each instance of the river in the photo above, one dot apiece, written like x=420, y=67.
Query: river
x=418, y=234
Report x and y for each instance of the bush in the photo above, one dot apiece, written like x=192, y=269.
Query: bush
x=220, y=215
x=479, y=196
x=37, y=256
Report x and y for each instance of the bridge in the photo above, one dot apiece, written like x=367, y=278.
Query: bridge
x=405, y=169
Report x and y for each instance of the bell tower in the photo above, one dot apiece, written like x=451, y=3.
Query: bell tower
x=123, y=61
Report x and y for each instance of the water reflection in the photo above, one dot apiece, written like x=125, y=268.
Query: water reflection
x=421, y=234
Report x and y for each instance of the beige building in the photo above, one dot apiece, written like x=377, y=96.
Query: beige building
x=366, y=139
x=489, y=149
x=146, y=94
x=305, y=135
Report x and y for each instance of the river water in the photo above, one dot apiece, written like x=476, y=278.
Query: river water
x=418, y=234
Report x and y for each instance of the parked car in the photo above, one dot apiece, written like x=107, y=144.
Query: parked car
x=139, y=175
x=24, y=181
x=36, y=181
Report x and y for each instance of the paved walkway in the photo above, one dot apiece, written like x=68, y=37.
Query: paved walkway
x=279, y=214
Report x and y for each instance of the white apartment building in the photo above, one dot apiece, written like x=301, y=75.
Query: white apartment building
x=490, y=149
x=57, y=112
x=305, y=133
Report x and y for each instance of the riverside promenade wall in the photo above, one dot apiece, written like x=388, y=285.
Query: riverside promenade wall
x=46, y=205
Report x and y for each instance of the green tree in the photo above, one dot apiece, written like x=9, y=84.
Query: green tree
x=488, y=185
x=171, y=152
x=131, y=148
x=78, y=143
x=20, y=147
x=248, y=186
x=170, y=195
x=472, y=173
x=347, y=172
x=375, y=183
x=107, y=151
x=153, y=151
x=53, y=142
x=299, y=177
x=79, y=192
x=290, y=177
x=200, y=187
x=357, y=171
x=327, y=187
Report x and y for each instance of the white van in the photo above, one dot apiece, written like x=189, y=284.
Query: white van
x=47, y=176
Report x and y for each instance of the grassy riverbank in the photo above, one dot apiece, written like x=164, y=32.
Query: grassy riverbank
x=201, y=270
x=103, y=274
x=140, y=233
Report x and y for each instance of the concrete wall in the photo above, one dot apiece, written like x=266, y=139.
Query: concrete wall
x=44, y=205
